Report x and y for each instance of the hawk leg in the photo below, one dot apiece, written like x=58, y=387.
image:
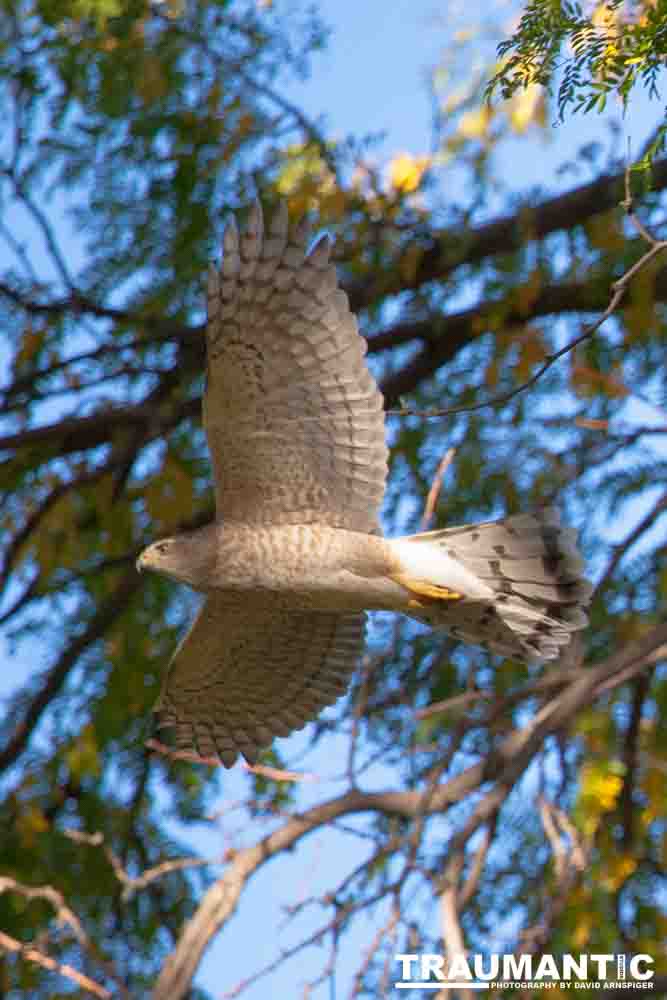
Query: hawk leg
x=425, y=593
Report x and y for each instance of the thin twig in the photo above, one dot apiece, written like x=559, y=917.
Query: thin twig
x=64, y=915
x=32, y=954
x=618, y=290
x=455, y=702
x=187, y=755
x=471, y=884
x=44, y=225
x=503, y=765
x=54, y=678
x=436, y=486
x=130, y=884
x=619, y=551
x=371, y=951
x=279, y=774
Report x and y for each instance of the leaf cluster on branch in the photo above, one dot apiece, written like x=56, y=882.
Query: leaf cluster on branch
x=588, y=53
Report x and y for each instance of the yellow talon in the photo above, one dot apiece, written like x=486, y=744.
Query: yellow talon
x=428, y=591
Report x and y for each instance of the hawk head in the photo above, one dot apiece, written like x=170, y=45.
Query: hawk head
x=186, y=558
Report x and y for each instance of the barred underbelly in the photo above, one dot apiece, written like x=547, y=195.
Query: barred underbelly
x=310, y=566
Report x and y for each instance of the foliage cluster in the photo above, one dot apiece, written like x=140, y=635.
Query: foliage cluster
x=588, y=53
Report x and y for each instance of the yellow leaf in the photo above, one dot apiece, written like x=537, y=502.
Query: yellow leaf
x=605, y=16
x=616, y=871
x=600, y=786
x=30, y=823
x=304, y=173
x=406, y=172
x=607, y=790
x=475, y=124
x=527, y=108
x=582, y=930
x=83, y=756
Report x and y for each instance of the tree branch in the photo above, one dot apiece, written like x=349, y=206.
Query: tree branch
x=57, y=675
x=448, y=251
x=64, y=915
x=504, y=765
x=32, y=954
x=618, y=290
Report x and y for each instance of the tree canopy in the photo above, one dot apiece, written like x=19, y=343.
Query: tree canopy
x=519, y=341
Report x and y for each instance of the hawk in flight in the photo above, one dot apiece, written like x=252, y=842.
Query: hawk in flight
x=295, y=427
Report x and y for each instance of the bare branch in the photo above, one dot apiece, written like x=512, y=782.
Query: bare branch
x=454, y=703
x=188, y=755
x=570, y=861
x=43, y=224
x=64, y=915
x=452, y=934
x=619, y=551
x=130, y=884
x=469, y=887
x=386, y=929
x=504, y=765
x=279, y=774
x=56, y=676
x=32, y=954
x=618, y=289
x=78, y=304
x=50, y=895
x=505, y=235
x=79, y=433
x=436, y=486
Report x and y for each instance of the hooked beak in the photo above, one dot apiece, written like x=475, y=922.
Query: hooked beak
x=140, y=564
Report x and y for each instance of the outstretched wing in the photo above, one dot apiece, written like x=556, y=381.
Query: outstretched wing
x=248, y=672
x=294, y=420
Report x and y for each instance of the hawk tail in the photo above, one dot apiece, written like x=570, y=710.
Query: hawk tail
x=515, y=586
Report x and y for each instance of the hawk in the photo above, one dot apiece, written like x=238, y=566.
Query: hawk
x=295, y=557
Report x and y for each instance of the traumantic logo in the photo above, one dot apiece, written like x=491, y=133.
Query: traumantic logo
x=546, y=972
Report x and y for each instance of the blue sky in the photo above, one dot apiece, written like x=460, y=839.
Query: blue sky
x=371, y=78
